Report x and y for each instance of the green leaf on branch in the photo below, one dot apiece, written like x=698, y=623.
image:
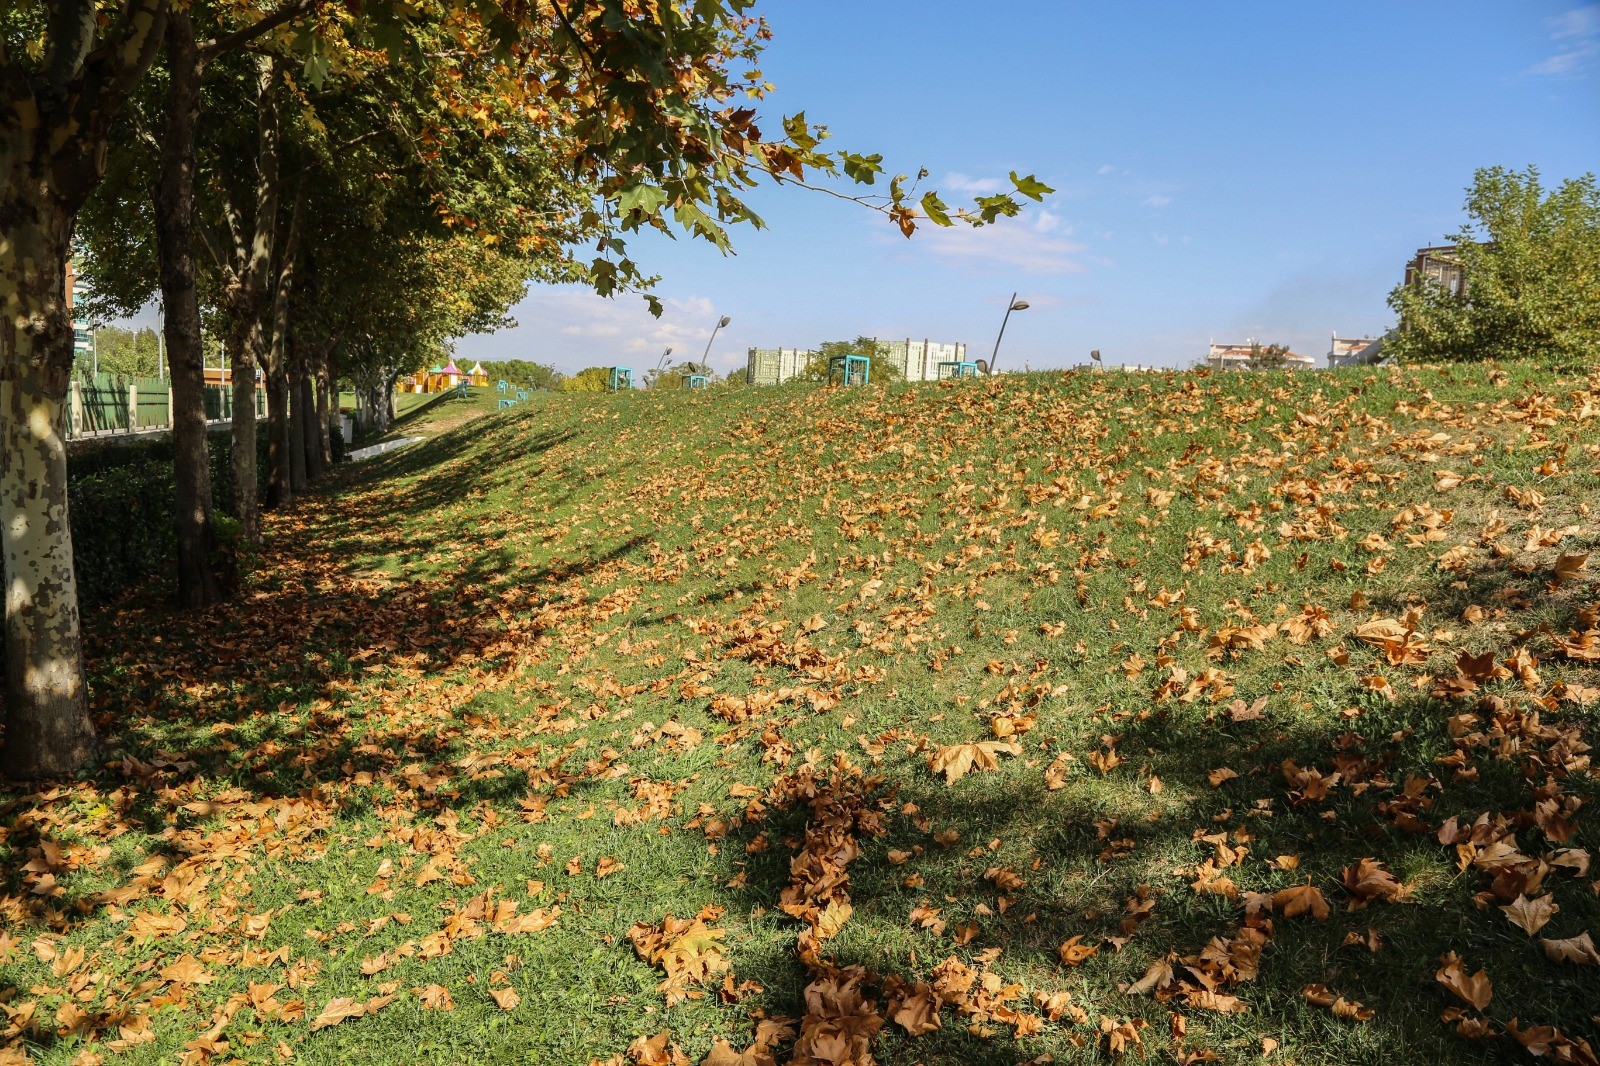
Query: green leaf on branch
x=862, y=169
x=645, y=199
x=993, y=207
x=1030, y=186
x=935, y=209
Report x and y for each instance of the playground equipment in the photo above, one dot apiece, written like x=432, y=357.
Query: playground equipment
x=852, y=369
x=461, y=390
x=962, y=369
x=522, y=394
x=507, y=403
x=501, y=387
x=695, y=381
x=621, y=378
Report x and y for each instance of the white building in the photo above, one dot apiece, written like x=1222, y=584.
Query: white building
x=774, y=366
x=1240, y=357
x=1351, y=351
x=919, y=360
x=916, y=360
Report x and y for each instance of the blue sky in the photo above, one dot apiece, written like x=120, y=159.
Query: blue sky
x=1223, y=170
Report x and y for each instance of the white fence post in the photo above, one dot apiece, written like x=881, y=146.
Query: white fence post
x=133, y=407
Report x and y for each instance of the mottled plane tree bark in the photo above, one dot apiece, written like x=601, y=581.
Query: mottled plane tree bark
x=55, y=115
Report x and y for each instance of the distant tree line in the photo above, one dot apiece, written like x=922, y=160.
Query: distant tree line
x=523, y=373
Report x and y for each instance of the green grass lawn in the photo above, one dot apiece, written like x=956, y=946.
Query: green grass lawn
x=499, y=708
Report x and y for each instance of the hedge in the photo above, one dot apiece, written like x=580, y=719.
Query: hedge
x=120, y=495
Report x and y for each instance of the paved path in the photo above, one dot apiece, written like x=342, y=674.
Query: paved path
x=378, y=449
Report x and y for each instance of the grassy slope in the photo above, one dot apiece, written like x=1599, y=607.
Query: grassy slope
x=457, y=667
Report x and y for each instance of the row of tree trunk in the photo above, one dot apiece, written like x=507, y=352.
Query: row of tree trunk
x=53, y=134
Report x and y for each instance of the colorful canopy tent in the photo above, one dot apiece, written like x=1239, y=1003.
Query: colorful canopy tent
x=478, y=375
x=437, y=379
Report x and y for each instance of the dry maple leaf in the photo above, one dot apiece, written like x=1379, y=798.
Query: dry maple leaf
x=1301, y=899
x=957, y=760
x=1579, y=949
x=1381, y=631
x=688, y=951
x=722, y=1054
x=436, y=997
x=1369, y=879
x=658, y=1050
x=1570, y=564
x=919, y=1011
x=1475, y=991
x=506, y=997
x=1348, y=1009
x=1158, y=975
x=338, y=1010
x=1073, y=953
x=1530, y=915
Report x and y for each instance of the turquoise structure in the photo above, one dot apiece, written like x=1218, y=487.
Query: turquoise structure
x=961, y=369
x=621, y=378
x=852, y=369
x=695, y=381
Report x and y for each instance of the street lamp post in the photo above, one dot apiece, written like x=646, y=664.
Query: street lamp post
x=662, y=361
x=704, y=365
x=1014, y=305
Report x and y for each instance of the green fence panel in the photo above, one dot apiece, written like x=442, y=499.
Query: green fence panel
x=105, y=403
x=152, y=409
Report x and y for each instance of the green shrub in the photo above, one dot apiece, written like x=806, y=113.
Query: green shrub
x=122, y=528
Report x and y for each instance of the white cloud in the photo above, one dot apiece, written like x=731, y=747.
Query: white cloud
x=571, y=328
x=1576, y=36
x=962, y=183
x=1155, y=201
x=1106, y=169
x=1034, y=244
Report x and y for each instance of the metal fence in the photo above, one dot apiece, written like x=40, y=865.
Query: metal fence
x=101, y=404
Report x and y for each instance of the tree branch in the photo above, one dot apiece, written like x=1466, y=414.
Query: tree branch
x=583, y=47
x=238, y=38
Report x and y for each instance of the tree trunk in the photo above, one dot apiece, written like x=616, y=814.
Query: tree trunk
x=246, y=303
x=53, y=127
x=174, y=221
x=297, y=429
x=48, y=729
x=281, y=435
x=324, y=425
x=310, y=439
x=244, y=340
x=280, y=493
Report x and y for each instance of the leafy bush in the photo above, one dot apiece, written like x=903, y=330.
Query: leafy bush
x=1530, y=260
x=592, y=379
x=121, y=497
x=122, y=528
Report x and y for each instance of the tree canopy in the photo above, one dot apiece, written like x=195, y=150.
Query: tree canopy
x=1530, y=263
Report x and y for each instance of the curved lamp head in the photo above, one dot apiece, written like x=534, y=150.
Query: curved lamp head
x=724, y=322
x=1020, y=305
x=667, y=352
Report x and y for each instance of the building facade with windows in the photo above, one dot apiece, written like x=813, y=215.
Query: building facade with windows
x=915, y=360
x=1242, y=356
